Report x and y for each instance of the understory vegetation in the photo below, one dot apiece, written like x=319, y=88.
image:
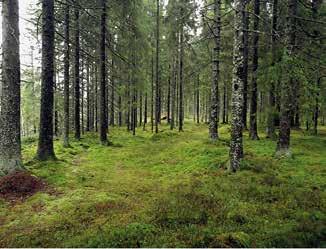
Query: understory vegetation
x=171, y=190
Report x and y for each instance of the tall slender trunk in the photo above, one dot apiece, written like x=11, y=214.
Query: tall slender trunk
x=140, y=109
x=128, y=105
x=253, y=132
x=145, y=111
x=224, y=103
x=134, y=93
x=56, y=112
x=169, y=98
x=271, y=133
x=236, y=145
x=88, y=97
x=215, y=105
x=246, y=23
x=152, y=95
x=77, y=76
x=194, y=102
x=10, y=144
x=315, y=4
x=112, y=116
x=160, y=103
x=283, y=146
x=174, y=92
x=157, y=88
x=181, y=107
x=103, y=78
x=45, y=146
x=120, y=110
x=198, y=100
x=316, y=111
x=66, y=75
x=96, y=98
x=82, y=95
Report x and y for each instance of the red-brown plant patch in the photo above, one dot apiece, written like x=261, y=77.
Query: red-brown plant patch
x=20, y=185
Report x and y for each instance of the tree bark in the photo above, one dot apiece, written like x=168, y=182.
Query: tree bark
x=253, y=133
x=66, y=75
x=82, y=95
x=56, y=112
x=45, y=146
x=283, y=146
x=10, y=143
x=174, y=93
x=157, y=87
x=88, y=97
x=225, y=103
x=140, y=109
x=246, y=23
x=96, y=98
x=181, y=108
x=152, y=95
x=271, y=133
x=103, y=78
x=198, y=100
x=77, y=76
x=315, y=4
x=236, y=145
x=215, y=101
x=145, y=111
x=112, y=116
x=169, y=98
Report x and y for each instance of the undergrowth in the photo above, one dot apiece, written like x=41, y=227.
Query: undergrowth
x=172, y=190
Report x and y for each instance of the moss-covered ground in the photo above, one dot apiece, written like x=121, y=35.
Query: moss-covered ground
x=172, y=190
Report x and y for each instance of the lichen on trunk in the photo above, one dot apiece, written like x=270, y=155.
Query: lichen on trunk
x=10, y=142
x=236, y=145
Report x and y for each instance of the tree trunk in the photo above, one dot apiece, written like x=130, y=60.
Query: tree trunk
x=82, y=95
x=283, y=146
x=10, y=144
x=245, y=67
x=66, y=75
x=140, y=109
x=271, y=133
x=253, y=133
x=77, y=76
x=181, y=108
x=198, y=100
x=120, y=110
x=103, y=78
x=157, y=100
x=215, y=101
x=169, y=97
x=315, y=6
x=152, y=95
x=45, y=146
x=145, y=111
x=88, y=97
x=174, y=92
x=236, y=145
x=224, y=103
x=96, y=98
x=112, y=116
x=56, y=112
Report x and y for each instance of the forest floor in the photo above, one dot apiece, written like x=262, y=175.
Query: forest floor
x=172, y=190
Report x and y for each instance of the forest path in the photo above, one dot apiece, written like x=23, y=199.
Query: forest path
x=170, y=189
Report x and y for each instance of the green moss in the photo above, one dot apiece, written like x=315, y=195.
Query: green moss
x=172, y=190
